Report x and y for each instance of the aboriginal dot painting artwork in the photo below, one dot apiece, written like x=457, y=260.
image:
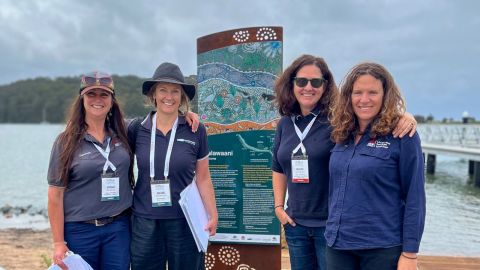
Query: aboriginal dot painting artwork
x=236, y=72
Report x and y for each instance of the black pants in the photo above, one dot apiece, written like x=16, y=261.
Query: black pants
x=364, y=259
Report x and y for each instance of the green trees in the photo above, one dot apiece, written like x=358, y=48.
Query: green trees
x=47, y=100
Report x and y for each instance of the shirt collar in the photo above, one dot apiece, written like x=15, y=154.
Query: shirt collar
x=147, y=122
x=89, y=138
x=312, y=114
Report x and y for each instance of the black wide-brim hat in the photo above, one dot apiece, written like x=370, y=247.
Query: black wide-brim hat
x=169, y=73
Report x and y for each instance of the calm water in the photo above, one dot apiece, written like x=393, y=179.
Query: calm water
x=453, y=204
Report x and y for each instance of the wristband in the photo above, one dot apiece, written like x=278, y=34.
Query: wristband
x=276, y=206
x=410, y=258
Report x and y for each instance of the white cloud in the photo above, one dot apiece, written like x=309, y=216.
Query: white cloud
x=430, y=47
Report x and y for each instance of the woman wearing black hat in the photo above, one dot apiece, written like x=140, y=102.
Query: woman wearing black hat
x=90, y=177
x=169, y=156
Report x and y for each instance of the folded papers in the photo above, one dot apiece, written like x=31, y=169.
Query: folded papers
x=196, y=214
x=74, y=262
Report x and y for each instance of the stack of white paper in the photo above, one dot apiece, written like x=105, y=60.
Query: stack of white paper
x=73, y=262
x=196, y=214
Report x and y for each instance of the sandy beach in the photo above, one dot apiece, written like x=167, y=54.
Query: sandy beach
x=24, y=249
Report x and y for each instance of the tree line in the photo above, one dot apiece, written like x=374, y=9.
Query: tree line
x=47, y=100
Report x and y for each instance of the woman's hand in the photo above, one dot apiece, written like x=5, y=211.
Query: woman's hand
x=407, y=261
x=406, y=125
x=192, y=120
x=211, y=226
x=283, y=217
x=59, y=250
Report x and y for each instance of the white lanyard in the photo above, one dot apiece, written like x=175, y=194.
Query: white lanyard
x=169, y=149
x=302, y=135
x=105, y=153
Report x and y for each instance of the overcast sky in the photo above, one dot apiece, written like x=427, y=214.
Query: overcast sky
x=432, y=47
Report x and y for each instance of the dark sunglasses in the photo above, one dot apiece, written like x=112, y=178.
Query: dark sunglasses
x=315, y=82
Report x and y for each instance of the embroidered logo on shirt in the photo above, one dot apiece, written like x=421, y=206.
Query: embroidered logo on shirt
x=84, y=154
x=378, y=144
x=186, y=141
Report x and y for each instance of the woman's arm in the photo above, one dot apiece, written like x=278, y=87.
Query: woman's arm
x=205, y=187
x=279, y=181
x=55, y=214
x=406, y=125
x=193, y=120
x=412, y=180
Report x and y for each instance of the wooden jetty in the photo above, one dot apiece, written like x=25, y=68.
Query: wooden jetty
x=424, y=262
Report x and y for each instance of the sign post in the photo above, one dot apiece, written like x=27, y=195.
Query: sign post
x=235, y=74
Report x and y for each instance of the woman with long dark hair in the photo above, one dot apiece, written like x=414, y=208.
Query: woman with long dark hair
x=90, y=179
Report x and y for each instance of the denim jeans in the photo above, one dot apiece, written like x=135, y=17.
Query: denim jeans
x=156, y=242
x=306, y=246
x=104, y=247
x=363, y=259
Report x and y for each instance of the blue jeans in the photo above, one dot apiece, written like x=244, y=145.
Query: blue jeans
x=104, y=247
x=156, y=242
x=306, y=246
x=363, y=259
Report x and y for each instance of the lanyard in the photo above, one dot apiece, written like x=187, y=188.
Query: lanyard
x=105, y=153
x=169, y=149
x=302, y=135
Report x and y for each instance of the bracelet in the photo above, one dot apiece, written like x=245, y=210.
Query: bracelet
x=411, y=258
x=281, y=205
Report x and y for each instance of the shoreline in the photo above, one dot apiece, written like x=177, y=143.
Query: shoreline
x=27, y=248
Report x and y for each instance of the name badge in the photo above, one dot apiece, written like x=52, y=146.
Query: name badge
x=300, y=169
x=110, y=187
x=161, y=195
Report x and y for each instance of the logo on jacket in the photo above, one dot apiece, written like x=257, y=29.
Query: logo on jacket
x=378, y=144
x=186, y=141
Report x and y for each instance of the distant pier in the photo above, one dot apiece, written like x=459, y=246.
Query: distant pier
x=460, y=140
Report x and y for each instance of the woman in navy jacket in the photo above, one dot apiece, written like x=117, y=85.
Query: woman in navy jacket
x=377, y=195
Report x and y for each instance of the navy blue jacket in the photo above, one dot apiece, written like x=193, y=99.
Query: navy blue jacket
x=307, y=203
x=377, y=194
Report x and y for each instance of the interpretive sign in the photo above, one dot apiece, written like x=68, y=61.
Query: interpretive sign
x=235, y=75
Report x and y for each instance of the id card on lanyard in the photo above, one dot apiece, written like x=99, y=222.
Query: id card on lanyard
x=300, y=173
x=160, y=189
x=110, y=181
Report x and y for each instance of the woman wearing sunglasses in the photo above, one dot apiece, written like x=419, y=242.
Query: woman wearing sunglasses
x=377, y=186
x=169, y=155
x=90, y=179
x=305, y=93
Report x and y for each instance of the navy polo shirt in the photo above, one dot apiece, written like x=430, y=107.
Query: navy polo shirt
x=188, y=148
x=307, y=203
x=82, y=196
x=377, y=194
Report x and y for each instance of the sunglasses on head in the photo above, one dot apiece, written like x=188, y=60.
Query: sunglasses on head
x=92, y=81
x=315, y=82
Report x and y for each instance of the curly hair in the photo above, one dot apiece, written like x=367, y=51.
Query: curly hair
x=343, y=118
x=285, y=98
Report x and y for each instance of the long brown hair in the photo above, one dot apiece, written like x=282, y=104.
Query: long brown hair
x=70, y=139
x=285, y=98
x=344, y=121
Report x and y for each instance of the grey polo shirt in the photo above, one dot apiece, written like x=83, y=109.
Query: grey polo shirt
x=82, y=197
x=188, y=148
